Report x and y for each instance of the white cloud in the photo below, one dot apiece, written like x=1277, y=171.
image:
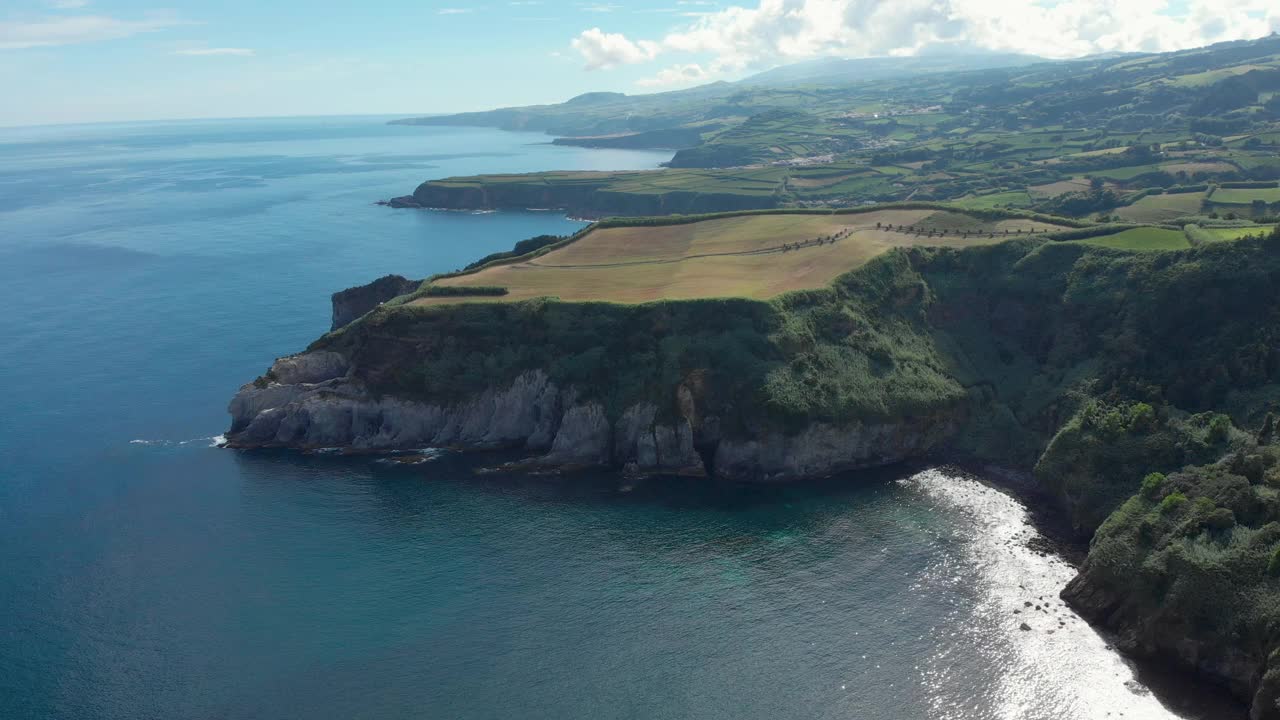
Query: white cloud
x=50, y=31
x=240, y=52
x=604, y=50
x=68, y=4
x=453, y=11
x=787, y=30
x=675, y=75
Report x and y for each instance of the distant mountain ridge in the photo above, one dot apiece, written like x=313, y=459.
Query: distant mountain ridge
x=836, y=70
x=595, y=114
x=934, y=108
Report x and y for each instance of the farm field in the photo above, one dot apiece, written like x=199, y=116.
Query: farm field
x=1235, y=233
x=1126, y=173
x=722, y=257
x=1016, y=198
x=1142, y=239
x=1057, y=188
x=1245, y=196
x=1161, y=208
x=1208, y=166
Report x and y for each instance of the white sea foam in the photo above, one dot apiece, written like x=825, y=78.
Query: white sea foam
x=1061, y=667
x=210, y=440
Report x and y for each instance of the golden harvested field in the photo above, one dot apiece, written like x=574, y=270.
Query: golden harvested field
x=1057, y=188
x=724, y=257
x=1195, y=167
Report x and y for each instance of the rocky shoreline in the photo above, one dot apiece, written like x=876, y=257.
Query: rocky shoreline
x=313, y=401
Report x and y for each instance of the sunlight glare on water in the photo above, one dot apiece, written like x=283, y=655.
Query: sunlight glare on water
x=1061, y=667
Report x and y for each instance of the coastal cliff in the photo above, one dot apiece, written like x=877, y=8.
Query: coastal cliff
x=589, y=194
x=312, y=402
x=1096, y=368
x=353, y=302
x=1186, y=572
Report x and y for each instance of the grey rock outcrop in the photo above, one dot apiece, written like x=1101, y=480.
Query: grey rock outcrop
x=822, y=449
x=308, y=368
x=313, y=401
x=654, y=446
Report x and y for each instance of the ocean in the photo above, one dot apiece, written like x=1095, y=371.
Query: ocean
x=148, y=269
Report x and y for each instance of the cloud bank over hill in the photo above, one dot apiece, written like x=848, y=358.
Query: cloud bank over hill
x=778, y=31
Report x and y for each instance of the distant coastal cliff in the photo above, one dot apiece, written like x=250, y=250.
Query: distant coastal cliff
x=587, y=194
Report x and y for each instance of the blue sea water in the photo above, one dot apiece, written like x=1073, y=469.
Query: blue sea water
x=147, y=270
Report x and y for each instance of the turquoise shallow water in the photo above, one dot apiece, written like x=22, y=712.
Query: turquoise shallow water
x=147, y=270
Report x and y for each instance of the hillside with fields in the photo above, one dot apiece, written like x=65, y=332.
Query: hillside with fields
x=1086, y=138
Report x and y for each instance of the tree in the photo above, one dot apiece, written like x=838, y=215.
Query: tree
x=1268, y=430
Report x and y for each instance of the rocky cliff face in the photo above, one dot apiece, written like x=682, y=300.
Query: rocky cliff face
x=351, y=303
x=313, y=400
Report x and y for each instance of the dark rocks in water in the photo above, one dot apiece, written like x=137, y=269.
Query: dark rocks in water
x=353, y=302
x=1024, y=627
x=403, y=201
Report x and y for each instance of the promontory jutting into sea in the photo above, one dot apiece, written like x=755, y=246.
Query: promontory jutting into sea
x=847, y=369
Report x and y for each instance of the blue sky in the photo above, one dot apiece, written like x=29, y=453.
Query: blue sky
x=105, y=60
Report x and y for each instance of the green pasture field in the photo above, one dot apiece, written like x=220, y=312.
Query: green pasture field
x=1142, y=239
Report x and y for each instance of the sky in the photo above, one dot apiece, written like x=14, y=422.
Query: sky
x=70, y=61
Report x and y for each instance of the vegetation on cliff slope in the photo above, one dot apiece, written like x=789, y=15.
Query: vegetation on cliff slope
x=1189, y=570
